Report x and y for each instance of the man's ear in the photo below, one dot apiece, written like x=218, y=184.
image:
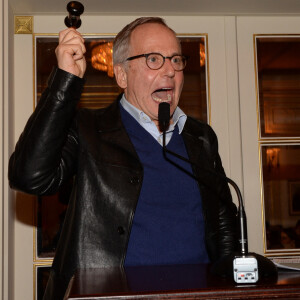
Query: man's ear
x=121, y=76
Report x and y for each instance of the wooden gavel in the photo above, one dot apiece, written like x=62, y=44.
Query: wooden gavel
x=75, y=9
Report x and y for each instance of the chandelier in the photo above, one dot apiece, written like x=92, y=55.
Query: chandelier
x=102, y=58
x=202, y=55
x=273, y=158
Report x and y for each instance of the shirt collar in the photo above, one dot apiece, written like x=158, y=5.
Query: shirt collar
x=179, y=117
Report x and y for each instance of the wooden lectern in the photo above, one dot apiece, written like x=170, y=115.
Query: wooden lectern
x=176, y=282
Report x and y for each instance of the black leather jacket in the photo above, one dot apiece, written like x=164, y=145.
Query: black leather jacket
x=60, y=142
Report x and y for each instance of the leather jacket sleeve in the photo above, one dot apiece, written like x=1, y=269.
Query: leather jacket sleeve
x=45, y=154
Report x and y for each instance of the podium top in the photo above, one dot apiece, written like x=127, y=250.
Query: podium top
x=176, y=282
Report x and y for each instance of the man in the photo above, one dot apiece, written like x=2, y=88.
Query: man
x=129, y=205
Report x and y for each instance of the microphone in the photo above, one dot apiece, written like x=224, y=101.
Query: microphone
x=75, y=9
x=243, y=266
x=163, y=116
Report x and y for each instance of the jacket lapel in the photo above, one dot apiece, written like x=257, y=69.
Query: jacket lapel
x=194, y=144
x=197, y=148
x=113, y=136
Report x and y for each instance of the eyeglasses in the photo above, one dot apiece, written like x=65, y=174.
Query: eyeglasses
x=155, y=60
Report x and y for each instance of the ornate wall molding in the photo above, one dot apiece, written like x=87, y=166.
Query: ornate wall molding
x=23, y=24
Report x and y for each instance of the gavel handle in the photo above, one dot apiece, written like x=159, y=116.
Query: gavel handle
x=72, y=21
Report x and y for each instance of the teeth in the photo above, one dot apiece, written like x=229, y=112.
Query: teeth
x=157, y=99
x=169, y=97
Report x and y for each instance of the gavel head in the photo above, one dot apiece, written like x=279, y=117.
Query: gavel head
x=75, y=9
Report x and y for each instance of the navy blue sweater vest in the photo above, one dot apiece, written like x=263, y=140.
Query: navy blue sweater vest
x=168, y=226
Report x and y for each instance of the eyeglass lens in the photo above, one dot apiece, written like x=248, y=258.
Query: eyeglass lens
x=156, y=61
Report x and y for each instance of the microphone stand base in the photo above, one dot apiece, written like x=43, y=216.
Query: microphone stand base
x=224, y=266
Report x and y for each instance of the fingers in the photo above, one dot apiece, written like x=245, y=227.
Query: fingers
x=68, y=33
x=77, y=52
x=70, y=52
x=71, y=38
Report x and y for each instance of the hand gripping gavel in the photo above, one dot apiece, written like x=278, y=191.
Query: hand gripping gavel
x=75, y=9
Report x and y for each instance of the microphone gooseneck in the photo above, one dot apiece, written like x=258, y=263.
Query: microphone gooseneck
x=258, y=265
x=242, y=218
x=164, y=119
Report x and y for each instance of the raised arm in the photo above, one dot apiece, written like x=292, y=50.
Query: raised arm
x=46, y=152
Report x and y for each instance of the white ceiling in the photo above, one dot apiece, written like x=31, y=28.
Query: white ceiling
x=161, y=7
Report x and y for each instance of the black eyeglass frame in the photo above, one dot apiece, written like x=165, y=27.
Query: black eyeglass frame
x=185, y=58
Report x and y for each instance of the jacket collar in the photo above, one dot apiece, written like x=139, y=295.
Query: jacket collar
x=193, y=139
x=111, y=128
x=199, y=152
x=110, y=119
x=112, y=132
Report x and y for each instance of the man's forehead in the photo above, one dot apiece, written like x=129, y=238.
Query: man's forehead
x=153, y=35
x=153, y=29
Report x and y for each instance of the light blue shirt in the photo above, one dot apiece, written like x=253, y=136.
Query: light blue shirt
x=179, y=118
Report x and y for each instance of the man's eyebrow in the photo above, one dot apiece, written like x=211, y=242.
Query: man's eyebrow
x=175, y=53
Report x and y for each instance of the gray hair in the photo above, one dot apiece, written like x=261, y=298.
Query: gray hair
x=122, y=40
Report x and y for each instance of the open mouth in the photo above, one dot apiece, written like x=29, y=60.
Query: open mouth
x=163, y=95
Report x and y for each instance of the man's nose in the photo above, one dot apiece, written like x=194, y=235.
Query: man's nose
x=168, y=69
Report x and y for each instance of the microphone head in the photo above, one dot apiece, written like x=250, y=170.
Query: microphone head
x=164, y=116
